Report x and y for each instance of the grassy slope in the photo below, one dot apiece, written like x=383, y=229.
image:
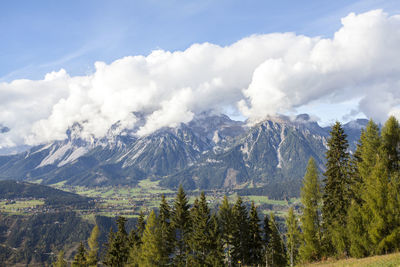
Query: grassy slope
x=390, y=260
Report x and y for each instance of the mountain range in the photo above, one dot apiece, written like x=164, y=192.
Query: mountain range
x=209, y=152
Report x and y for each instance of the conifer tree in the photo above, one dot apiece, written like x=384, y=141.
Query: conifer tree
x=108, y=258
x=356, y=230
x=376, y=198
x=336, y=196
x=225, y=220
x=310, y=248
x=134, y=248
x=199, y=238
x=61, y=262
x=391, y=152
x=292, y=236
x=80, y=257
x=181, y=224
x=359, y=215
x=256, y=245
x=390, y=143
x=166, y=234
x=118, y=249
x=369, y=144
x=215, y=256
x=241, y=237
x=141, y=225
x=266, y=238
x=150, y=253
x=276, y=255
x=92, y=256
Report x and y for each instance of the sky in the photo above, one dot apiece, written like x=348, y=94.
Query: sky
x=97, y=62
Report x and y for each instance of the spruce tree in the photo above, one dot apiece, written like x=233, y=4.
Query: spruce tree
x=140, y=226
x=199, y=238
x=276, y=255
x=61, y=262
x=150, y=253
x=80, y=257
x=134, y=248
x=215, y=256
x=181, y=224
x=241, y=237
x=336, y=196
x=256, y=247
x=310, y=249
x=266, y=238
x=92, y=256
x=292, y=236
x=109, y=253
x=118, y=249
x=225, y=220
x=166, y=234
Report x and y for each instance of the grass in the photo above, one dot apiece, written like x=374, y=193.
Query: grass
x=390, y=260
x=19, y=205
x=146, y=195
x=265, y=200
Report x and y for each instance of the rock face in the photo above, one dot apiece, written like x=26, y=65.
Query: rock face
x=211, y=151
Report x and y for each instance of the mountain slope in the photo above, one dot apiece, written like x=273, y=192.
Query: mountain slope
x=211, y=151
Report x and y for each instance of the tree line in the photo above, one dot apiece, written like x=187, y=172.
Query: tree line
x=354, y=210
x=184, y=235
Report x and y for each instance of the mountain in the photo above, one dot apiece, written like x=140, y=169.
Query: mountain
x=211, y=151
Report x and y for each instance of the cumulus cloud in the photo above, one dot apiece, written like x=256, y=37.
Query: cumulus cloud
x=259, y=75
x=362, y=60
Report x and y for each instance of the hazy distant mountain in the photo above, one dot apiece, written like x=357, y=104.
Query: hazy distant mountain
x=211, y=151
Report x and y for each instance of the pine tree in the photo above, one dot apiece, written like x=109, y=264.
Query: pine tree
x=292, y=236
x=199, y=238
x=61, y=262
x=150, y=253
x=181, y=224
x=256, y=247
x=310, y=248
x=225, y=220
x=215, y=256
x=240, y=241
x=92, y=256
x=336, y=197
x=166, y=234
x=276, y=255
x=80, y=257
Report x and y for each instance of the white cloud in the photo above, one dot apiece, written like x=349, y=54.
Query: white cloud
x=260, y=74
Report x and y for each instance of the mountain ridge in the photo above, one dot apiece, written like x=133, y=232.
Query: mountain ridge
x=209, y=152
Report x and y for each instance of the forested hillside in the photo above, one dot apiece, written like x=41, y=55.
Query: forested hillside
x=352, y=209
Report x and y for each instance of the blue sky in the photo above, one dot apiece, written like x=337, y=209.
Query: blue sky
x=41, y=36
x=190, y=57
